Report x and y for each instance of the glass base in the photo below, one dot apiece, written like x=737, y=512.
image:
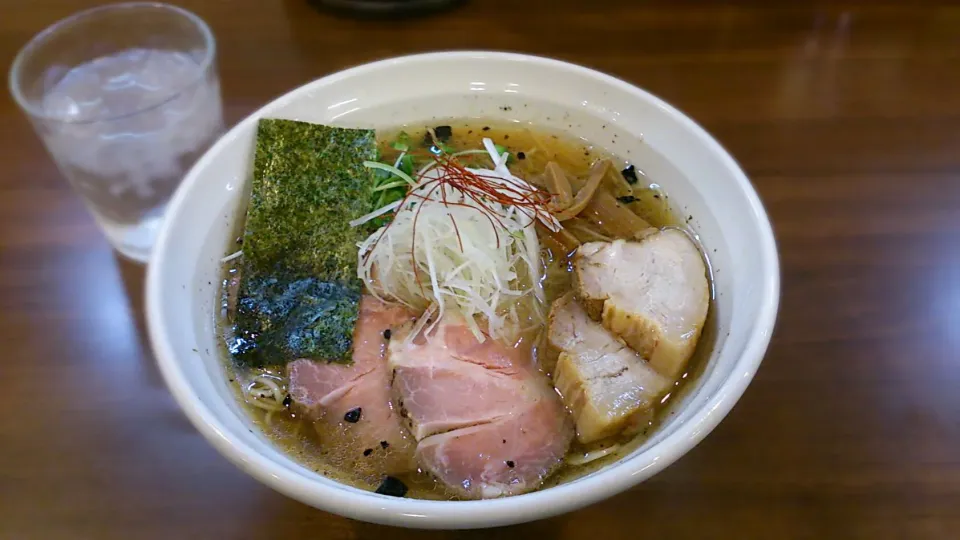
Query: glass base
x=133, y=241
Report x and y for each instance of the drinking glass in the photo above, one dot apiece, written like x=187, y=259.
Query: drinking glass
x=125, y=97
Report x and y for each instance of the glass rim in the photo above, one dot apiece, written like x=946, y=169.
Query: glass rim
x=15, y=83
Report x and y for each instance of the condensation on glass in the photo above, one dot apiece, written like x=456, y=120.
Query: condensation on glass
x=125, y=97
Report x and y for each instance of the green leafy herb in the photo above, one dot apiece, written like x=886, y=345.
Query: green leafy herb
x=402, y=143
x=393, y=196
x=391, y=182
x=299, y=294
x=406, y=164
x=501, y=149
x=389, y=169
x=391, y=185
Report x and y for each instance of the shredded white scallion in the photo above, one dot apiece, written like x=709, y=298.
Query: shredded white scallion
x=231, y=256
x=499, y=161
x=391, y=185
x=390, y=169
x=376, y=213
x=468, y=153
x=446, y=252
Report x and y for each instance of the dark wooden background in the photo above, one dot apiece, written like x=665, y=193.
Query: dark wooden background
x=845, y=114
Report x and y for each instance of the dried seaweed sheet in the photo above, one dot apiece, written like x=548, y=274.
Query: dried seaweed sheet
x=299, y=292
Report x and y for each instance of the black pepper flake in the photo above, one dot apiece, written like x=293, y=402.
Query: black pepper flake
x=486, y=128
x=384, y=445
x=367, y=452
x=443, y=132
x=353, y=415
x=521, y=155
x=629, y=174
x=510, y=464
x=387, y=333
x=393, y=487
x=627, y=199
x=287, y=401
x=505, y=137
x=656, y=196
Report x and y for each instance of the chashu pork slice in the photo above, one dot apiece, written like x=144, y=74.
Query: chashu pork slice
x=486, y=421
x=603, y=382
x=654, y=294
x=351, y=406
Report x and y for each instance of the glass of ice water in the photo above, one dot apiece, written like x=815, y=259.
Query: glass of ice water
x=125, y=97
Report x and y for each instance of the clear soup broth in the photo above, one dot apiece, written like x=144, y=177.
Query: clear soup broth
x=531, y=148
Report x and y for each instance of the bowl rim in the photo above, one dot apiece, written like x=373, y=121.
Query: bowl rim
x=491, y=512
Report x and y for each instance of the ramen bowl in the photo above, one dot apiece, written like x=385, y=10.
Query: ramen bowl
x=703, y=181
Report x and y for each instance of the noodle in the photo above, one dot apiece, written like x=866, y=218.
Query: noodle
x=277, y=393
x=264, y=393
x=265, y=405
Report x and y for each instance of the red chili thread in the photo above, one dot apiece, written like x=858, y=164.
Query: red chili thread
x=479, y=188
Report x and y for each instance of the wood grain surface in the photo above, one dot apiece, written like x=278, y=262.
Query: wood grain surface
x=846, y=115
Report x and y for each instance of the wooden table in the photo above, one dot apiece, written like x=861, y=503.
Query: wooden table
x=847, y=118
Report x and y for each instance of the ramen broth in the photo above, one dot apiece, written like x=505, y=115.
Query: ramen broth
x=531, y=149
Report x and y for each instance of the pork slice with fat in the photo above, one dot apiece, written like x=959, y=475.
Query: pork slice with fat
x=351, y=405
x=653, y=294
x=603, y=382
x=486, y=421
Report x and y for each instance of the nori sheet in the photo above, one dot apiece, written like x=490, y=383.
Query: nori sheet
x=299, y=293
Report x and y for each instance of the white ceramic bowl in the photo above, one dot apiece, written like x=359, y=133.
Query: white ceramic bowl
x=670, y=148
